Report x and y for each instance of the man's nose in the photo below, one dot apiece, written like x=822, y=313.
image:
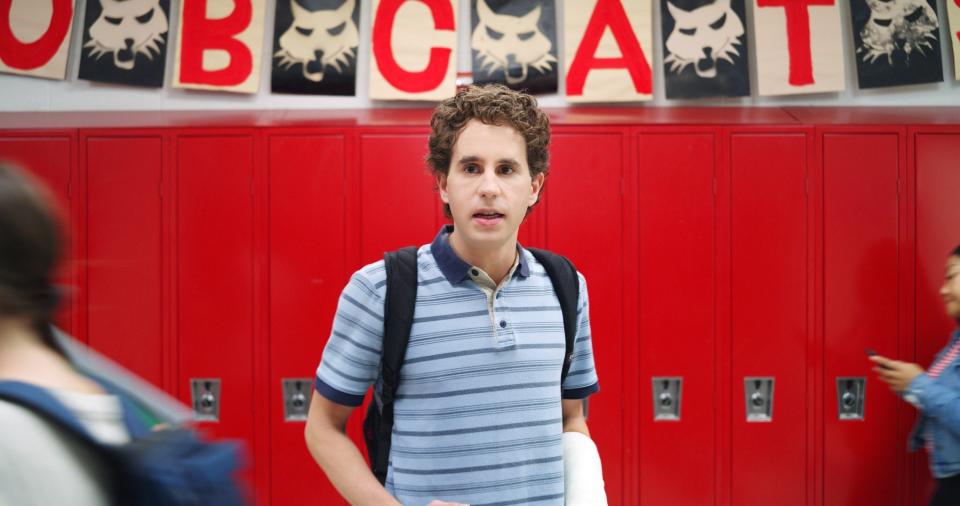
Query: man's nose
x=489, y=186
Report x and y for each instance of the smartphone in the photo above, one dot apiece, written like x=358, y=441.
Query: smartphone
x=871, y=352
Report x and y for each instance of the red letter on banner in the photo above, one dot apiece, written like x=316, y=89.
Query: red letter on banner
x=200, y=33
x=798, y=36
x=403, y=80
x=35, y=54
x=609, y=13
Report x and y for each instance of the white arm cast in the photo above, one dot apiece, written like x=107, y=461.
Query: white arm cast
x=583, y=476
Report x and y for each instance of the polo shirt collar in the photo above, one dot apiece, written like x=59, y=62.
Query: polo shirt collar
x=454, y=268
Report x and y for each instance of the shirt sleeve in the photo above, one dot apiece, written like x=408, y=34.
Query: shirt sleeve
x=350, y=360
x=582, y=380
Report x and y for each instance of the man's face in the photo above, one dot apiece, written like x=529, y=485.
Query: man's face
x=950, y=291
x=488, y=186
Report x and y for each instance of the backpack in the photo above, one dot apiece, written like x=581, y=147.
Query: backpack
x=169, y=467
x=401, y=270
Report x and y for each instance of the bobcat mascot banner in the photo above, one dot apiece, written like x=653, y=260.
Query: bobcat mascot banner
x=606, y=57
x=125, y=41
x=315, y=47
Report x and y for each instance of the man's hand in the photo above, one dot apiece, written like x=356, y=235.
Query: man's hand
x=895, y=373
x=445, y=503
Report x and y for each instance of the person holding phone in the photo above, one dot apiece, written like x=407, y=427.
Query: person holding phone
x=936, y=393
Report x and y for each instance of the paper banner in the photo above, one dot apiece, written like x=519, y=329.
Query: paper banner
x=705, y=48
x=315, y=47
x=896, y=42
x=125, y=41
x=799, y=46
x=219, y=45
x=413, y=54
x=514, y=42
x=953, y=11
x=35, y=37
x=607, y=50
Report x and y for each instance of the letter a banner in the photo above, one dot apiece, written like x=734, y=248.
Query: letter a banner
x=953, y=12
x=35, y=37
x=607, y=48
x=799, y=46
x=220, y=45
x=413, y=55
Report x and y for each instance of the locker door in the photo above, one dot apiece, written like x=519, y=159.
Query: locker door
x=308, y=269
x=399, y=206
x=862, y=457
x=124, y=272
x=215, y=275
x=937, y=216
x=769, y=316
x=677, y=316
x=584, y=222
x=50, y=158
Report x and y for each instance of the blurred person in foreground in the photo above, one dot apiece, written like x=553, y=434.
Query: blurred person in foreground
x=38, y=464
x=78, y=429
x=936, y=393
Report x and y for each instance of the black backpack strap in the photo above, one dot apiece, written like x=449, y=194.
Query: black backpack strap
x=566, y=284
x=401, y=269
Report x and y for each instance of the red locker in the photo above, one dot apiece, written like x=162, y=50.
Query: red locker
x=676, y=314
x=937, y=179
x=124, y=239
x=863, y=458
x=50, y=156
x=770, y=310
x=398, y=204
x=308, y=269
x=214, y=312
x=587, y=167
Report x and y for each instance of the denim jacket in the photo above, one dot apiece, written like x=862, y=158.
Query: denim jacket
x=939, y=402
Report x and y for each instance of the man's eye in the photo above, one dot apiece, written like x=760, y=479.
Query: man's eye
x=470, y=169
x=506, y=169
x=304, y=31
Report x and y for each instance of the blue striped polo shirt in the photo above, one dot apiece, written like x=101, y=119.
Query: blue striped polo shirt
x=477, y=416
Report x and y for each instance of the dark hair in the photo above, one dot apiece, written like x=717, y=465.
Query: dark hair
x=493, y=104
x=30, y=247
x=956, y=252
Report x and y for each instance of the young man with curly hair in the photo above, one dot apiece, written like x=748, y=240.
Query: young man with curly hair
x=480, y=416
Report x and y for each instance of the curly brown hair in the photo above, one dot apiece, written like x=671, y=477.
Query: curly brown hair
x=493, y=104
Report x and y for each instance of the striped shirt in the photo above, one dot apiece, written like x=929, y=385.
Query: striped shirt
x=477, y=417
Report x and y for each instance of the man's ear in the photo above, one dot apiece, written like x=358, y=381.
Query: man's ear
x=536, y=183
x=442, y=187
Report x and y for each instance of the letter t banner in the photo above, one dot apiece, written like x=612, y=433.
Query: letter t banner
x=799, y=46
x=220, y=45
x=35, y=37
x=607, y=43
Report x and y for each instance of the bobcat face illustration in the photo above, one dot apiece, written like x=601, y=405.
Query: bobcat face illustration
x=511, y=43
x=907, y=25
x=702, y=36
x=319, y=39
x=127, y=28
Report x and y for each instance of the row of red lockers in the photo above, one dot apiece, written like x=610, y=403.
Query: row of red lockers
x=712, y=253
